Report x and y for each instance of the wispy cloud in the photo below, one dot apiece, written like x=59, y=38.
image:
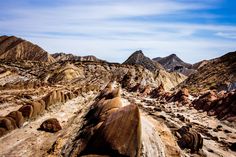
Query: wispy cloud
x=103, y=27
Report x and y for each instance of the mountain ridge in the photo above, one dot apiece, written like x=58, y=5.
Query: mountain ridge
x=139, y=58
x=14, y=48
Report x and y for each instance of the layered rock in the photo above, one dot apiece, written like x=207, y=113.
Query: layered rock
x=13, y=48
x=69, y=57
x=157, y=92
x=218, y=74
x=182, y=96
x=65, y=73
x=205, y=101
x=190, y=139
x=119, y=134
x=110, y=128
x=18, y=117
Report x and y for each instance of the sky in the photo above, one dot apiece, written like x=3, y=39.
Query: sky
x=114, y=29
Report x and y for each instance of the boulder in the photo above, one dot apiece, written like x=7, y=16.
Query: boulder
x=181, y=96
x=205, y=101
x=18, y=117
x=119, y=135
x=190, y=139
x=27, y=111
x=157, y=92
x=7, y=123
x=50, y=125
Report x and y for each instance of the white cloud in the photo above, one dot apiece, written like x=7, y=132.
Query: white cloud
x=227, y=34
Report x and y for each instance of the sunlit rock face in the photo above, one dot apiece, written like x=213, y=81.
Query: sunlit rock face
x=13, y=48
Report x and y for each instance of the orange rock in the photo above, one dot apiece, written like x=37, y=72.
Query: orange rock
x=120, y=134
x=18, y=117
x=50, y=125
x=27, y=111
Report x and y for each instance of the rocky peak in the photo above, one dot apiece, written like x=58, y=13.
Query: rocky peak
x=140, y=59
x=174, y=63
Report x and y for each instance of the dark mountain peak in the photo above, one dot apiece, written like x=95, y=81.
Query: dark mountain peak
x=174, y=63
x=139, y=58
x=138, y=52
x=173, y=55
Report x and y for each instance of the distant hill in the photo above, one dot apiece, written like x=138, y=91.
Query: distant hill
x=14, y=48
x=139, y=58
x=219, y=73
x=174, y=63
x=64, y=57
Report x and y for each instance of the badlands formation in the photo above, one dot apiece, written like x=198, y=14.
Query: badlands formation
x=65, y=105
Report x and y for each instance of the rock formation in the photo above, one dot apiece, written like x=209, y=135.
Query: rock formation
x=174, y=63
x=18, y=117
x=138, y=58
x=69, y=57
x=13, y=48
x=218, y=74
x=190, y=139
x=112, y=109
x=50, y=125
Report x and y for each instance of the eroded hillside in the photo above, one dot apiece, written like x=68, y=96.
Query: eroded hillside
x=88, y=108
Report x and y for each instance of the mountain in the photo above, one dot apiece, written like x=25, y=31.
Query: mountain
x=14, y=48
x=138, y=58
x=174, y=63
x=110, y=109
x=64, y=57
x=200, y=64
x=219, y=73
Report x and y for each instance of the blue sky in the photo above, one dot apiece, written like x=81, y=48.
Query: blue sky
x=112, y=30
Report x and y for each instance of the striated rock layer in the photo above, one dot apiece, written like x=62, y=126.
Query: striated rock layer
x=13, y=48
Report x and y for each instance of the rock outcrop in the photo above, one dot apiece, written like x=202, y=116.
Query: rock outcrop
x=70, y=57
x=181, y=96
x=174, y=63
x=110, y=128
x=190, y=139
x=18, y=117
x=223, y=106
x=13, y=48
x=138, y=58
x=205, y=101
x=218, y=74
x=157, y=92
